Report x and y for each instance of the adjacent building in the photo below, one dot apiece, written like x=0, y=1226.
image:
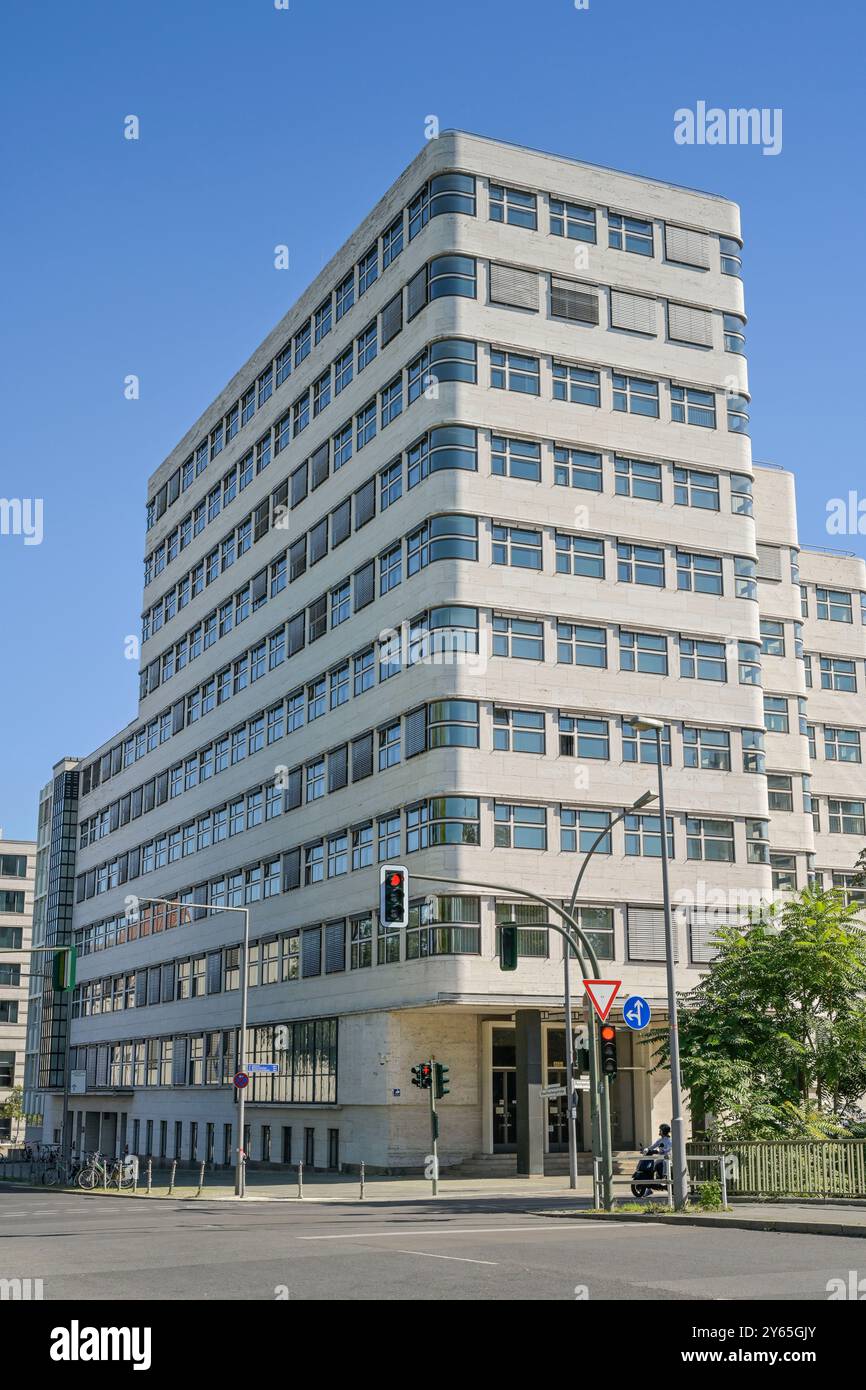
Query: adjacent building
x=17, y=867
x=481, y=498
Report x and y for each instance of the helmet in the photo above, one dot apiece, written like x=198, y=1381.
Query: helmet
x=664, y=1129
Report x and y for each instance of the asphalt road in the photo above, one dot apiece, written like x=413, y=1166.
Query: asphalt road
x=108, y=1248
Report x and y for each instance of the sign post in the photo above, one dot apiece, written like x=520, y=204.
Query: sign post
x=434, y=1128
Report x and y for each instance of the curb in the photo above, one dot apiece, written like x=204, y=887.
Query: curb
x=737, y=1223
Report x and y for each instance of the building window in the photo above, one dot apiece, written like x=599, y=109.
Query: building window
x=518, y=637
x=512, y=545
x=635, y=395
x=776, y=719
x=576, y=468
x=735, y=333
x=579, y=385
x=700, y=574
x=842, y=745
x=629, y=234
x=784, y=868
x=838, y=674
x=449, y=275
x=577, y=645
x=738, y=414
x=581, y=737
x=646, y=652
x=690, y=407
x=731, y=256
x=741, y=494
x=572, y=220
x=640, y=564
x=694, y=489
x=519, y=827
x=512, y=371
x=345, y=296
x=643, y=836
x=754, y=759
x=452, y=723
x=847, y=817
x=453, y=820
x=580, y=555
x=702, y=661
x=780, y=792
x=772, y=637
x=708, y=749
x=518, y=731
x=361, y=939
x=637, y=478
x=834, y=605
x=640, y=746
x=515, y=458
x=368, y=270
x=710, y=839
x=580, y=829
x=513, y=206
x=392, y=241
x=749, y=663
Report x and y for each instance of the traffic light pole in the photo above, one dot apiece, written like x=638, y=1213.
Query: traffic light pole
x=434, y=1128
x=599, y=1093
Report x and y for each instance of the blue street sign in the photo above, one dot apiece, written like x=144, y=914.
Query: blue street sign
x=636, y=1012
x=263, y=1068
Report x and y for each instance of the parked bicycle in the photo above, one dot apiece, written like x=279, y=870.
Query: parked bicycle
x=99, y=1171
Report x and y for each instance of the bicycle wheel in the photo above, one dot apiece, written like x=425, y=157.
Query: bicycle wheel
x=87, y=1178
x=51, y=1177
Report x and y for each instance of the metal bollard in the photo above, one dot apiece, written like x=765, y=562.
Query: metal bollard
x=149, y=1175
x=724, y=1177
x=362, y=1180
x=300, y=1179
x=105, y=1176
x=200, y=1179
x=171, y=1178
x=670, y=1183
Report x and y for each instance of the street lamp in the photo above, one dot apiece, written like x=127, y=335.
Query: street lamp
x=571, y=1107
x=240, y=1176
x=679, y=1172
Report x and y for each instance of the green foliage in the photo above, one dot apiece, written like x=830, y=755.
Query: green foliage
x=710, y=1196
x=773, y=1037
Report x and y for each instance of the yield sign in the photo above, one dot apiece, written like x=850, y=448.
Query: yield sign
x=602, y=994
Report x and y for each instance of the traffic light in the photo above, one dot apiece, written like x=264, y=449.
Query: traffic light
x=508, y=946
x=607, y=1033
x=422, y=1075
x=442, y=1079
x=63, y=969
x=393, y=895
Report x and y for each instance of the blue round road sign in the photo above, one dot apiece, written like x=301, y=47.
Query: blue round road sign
x=241, y=1079
x=636, y=1012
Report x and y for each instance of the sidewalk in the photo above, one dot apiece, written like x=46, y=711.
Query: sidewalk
x=548, y=1196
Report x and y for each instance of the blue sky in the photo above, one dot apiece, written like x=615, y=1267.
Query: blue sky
x=260, y=127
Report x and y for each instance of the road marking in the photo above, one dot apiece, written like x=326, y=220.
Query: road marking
x=460, y=1258
x=454, y=1231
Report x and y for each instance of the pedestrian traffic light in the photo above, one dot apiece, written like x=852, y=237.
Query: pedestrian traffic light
x=508, y=946
x=422, y=1075
x=393, y=896
x=607, y=1033
x=63, y=969
x=442, y=1079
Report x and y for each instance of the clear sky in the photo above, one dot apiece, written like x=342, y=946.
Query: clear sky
x=262, y=126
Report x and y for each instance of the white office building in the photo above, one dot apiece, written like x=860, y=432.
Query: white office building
x=482, y=497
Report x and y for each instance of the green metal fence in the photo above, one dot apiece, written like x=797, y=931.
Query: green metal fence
x=814, y=1168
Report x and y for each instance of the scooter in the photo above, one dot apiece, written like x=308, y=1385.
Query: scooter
x=648, y=1176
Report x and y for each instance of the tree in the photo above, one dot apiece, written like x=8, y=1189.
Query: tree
x=773, y=1037
x=12, y=1108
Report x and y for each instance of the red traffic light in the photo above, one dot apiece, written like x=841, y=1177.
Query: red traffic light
x=608, y=1033
x=394, y=880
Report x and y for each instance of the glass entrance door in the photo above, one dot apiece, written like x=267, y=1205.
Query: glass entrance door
x=504, y=1110
x=556, y=1106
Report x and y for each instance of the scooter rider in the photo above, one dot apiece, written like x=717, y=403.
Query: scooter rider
x=663, y=1146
